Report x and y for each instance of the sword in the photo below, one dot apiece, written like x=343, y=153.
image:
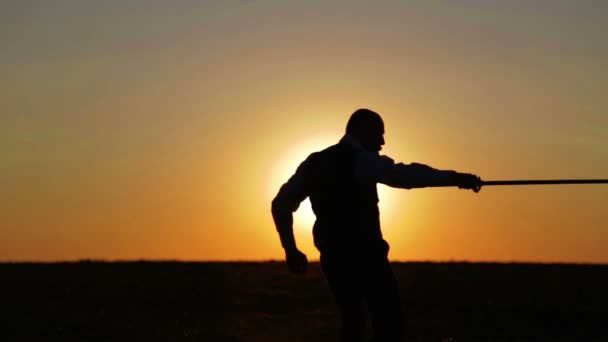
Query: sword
x=534, y=182
x=545, y=182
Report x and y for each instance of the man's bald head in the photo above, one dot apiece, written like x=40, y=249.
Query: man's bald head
x=368, y=128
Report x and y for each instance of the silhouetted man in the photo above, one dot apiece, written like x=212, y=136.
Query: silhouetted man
x=341, y=183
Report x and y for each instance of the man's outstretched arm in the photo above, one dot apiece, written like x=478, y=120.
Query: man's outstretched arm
x=284, y=205
x=383, y=169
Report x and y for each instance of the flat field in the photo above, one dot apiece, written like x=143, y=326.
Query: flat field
x=251, y=301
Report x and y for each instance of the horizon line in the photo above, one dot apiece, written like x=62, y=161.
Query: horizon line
x=314, y=261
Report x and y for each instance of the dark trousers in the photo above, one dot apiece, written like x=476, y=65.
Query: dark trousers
x=359, y=279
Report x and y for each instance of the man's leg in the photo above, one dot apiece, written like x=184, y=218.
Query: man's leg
x=345, y=284
x=384, y=302
x=353, y=320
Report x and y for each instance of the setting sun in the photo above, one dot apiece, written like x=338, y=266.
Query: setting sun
x=287, y=163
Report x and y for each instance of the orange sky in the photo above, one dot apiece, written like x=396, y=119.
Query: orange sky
x=162, y=130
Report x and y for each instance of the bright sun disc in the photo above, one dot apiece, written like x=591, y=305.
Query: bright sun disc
x=284, y=168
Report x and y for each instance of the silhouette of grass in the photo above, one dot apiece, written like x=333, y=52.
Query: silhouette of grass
x=249, y=301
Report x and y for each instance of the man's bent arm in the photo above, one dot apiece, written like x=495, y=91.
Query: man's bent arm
x=285, y=203
x=283, y=220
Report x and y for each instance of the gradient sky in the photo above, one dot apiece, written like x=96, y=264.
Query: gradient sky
x=162, y=129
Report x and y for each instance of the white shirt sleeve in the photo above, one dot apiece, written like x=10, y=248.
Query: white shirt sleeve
x=372, y=167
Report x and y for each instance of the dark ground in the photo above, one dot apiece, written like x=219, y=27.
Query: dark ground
x=173, y=301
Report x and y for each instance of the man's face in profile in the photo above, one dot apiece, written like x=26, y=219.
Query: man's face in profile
x=373, y=137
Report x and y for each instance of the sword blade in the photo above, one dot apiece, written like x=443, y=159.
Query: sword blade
x=545, y=182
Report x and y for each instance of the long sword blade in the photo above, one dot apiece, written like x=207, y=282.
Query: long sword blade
x=545, y=181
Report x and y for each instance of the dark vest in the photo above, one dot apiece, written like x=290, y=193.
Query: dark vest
x=346, y=209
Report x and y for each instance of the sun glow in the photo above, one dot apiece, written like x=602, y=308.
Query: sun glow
x=286, y=165
x=289, y=160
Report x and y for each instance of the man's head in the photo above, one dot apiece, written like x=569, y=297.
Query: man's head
x=367, y=127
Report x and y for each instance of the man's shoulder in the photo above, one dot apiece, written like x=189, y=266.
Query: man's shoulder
x=332, y=152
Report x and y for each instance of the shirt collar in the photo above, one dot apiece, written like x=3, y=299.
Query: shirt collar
x=352, y=141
